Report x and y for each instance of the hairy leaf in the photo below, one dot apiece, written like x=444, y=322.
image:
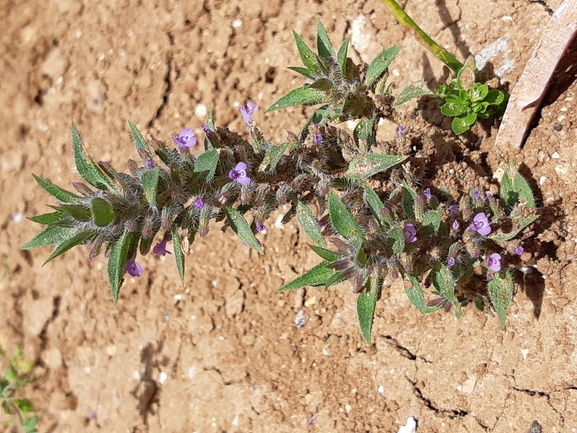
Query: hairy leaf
x=412, y=92
x=178, y=254
x=150, y=185
x=366, y=303
x=415, y=294
x=57, y=192
x=317, y=276
x=70, y=243
x=343, y=221
x=51, y=235
x=89, y=171
x=324, y=45
x=137, y=138
x=242, y=228
x=380, y=64
x=300, y=96
x=501, y=293
x=206, y=164
x=309, y=223
x=371, y=164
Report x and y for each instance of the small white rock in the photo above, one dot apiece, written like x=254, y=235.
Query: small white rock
x=162, y=377
x=381, y=389
x=236, y=23
x=410, y=427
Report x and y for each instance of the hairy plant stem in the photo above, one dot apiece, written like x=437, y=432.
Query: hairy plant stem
x=439, y=52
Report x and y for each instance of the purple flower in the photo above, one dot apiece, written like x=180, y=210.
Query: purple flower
x=454, y=208
x=427, y=194
x=481, y=224
x=401, y=130
x=206, y=128
x=494, y=262
x=519, y=250
x=185, y=139
x=455, y=226
x=318, y=137
x=451, y=262
x=410, y=233
x=239, y=174
x=160, y=248
x=260, y=227
x=247, y=111
x=475, y=194
x=489, y=194
x=149, y=163
x=133, y=268
x=199, y=203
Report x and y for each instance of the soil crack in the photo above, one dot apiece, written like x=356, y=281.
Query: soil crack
x=402, y=350
x=451, y=413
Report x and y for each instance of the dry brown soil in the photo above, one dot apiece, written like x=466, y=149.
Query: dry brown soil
x=226, y=343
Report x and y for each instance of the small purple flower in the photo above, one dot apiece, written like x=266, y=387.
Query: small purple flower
x=206, y=128
x=401, y=130
x=149, y=163
x=475, y=194
x=489, y=194
x=494, y=262
x=519, y=250
x=451, y=262
x=185, y=139
x=247, y=111
x=427, y=194
x=199, y=203
x=481, y=224
x=410, y=233
x=318, y=137
x=133, y=268
x=454, y=208
x=238, y=173
x=455, y=226
x=160, y=248
x=260, y=227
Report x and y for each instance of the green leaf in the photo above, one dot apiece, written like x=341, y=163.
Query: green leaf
x=366, y=303
x=515, y=189
x=51, y=235
x=29, y=424
x=272, y=157
x=501, y=294
x=433, y=220
x=365, y=130
x=242, y=228
x=309, y=58
x=302, y=71
x=443, y=280
x=309, y=223
x=70, y=243
x=324, y=45
x=322, y=84
x=137, y=138
x=317, y=276
x=452, y=109
x=178, y=254
x=397, y=235
x=409, y=196
x=102, y=212
x=89, y=171
x=57, y=192
x=23, y=404
x=11, y=374
x=149, y=181
x=495, y=97
x=117, y=263
x=300, y=96
x=342, y=56
x=378, y=66
x=324, y=253
x=412, y=92
x=344, y=222
x=6, y=408
x=371, y=164
x=206, y=164
x=500, y=236
x=460, y=126
x=48, y=218
x=376, y=205
x=415, y=294
x=76, y=211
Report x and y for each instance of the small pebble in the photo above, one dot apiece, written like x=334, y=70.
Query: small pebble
x=300, y=319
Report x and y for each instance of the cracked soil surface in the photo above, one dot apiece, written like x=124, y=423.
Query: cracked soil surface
x=226, y=343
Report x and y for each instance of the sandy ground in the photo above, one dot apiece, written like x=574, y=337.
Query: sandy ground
x=222, y=353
